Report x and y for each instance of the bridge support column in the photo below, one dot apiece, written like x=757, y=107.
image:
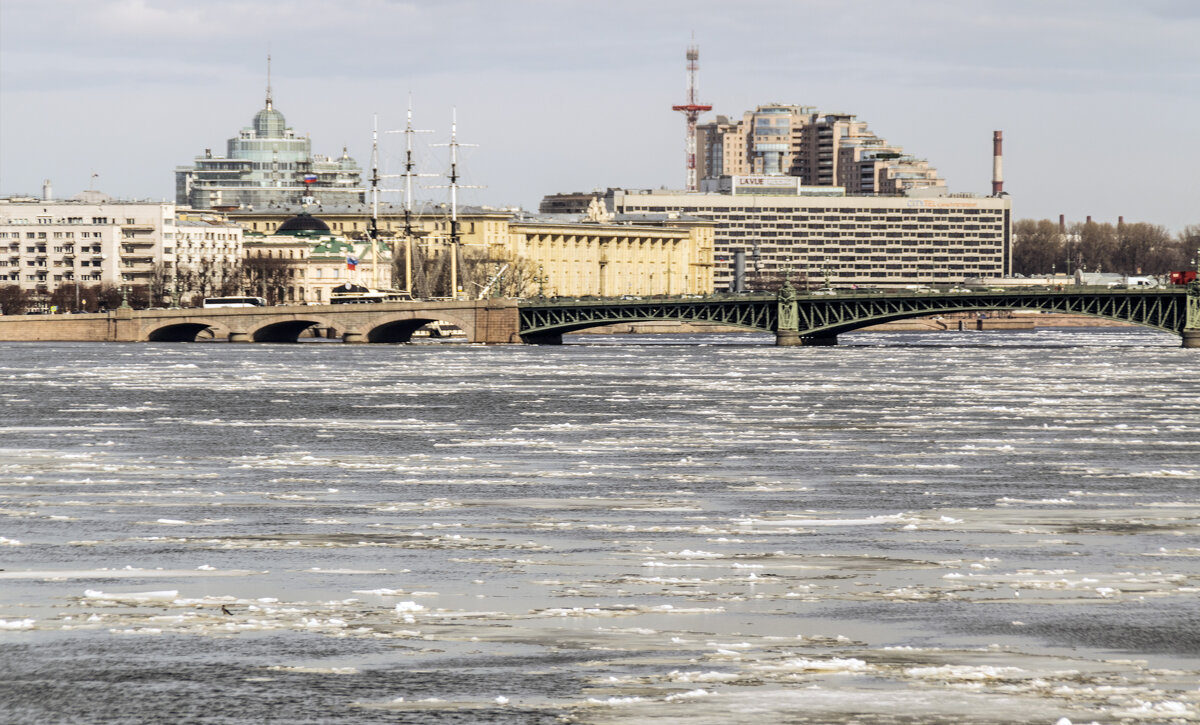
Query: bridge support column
x=792, y=338
x=239, y=337
x=1191, y=338
x=787, y=338
x=823, y=341
x=354, y=337
x=543, y=338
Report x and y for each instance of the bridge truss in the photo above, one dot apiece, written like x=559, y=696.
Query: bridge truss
x=819, y=318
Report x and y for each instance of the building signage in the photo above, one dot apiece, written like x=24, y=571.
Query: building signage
x=941, y=204
x=766, y=181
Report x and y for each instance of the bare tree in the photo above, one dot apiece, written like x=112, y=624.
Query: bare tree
x=480, y=266
x=160, y=284
x=1037, y=247
x=14, y=300
x=267, y=277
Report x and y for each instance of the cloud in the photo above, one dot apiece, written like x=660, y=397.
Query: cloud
x=560, y=93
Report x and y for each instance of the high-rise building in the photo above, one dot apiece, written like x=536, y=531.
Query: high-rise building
x=266, y=163
x=833, y=149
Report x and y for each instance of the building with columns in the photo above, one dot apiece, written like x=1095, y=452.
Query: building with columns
x=580, y=254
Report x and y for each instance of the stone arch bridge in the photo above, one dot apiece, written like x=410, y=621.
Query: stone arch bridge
x=795, y=319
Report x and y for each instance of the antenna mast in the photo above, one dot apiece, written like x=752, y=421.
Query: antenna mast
x=692, y=110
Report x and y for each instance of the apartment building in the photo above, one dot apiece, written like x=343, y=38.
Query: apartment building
x=208, y=257
x=832, y=149
x=89, y=240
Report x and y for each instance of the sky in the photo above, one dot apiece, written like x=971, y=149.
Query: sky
x=1099, y=100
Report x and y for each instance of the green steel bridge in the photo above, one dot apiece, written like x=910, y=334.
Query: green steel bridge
x=817, y=318
x=795, y=318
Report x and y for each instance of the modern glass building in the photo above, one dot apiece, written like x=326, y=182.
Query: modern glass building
x=266, y=164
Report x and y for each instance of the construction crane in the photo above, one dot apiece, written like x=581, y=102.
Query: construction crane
x=692, y=111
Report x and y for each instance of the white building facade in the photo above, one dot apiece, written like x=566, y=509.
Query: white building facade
x=88, y=241
x=847, y=240
x=208, y=258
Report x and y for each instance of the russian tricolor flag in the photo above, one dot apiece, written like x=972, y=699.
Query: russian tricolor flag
x=310, y=178
x=351, y=261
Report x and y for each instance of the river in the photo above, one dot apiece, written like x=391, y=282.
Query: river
x=977, y=527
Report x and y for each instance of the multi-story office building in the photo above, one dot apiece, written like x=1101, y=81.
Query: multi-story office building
x=847, y=240
x=89, y=241
x=832, y=149
x=266, y=163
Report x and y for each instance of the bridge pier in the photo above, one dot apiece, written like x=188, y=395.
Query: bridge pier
x=819, y=341
x=792, y=338
x=354, y=337
x=1191, y=338
x=543, y=338
x=239, y=337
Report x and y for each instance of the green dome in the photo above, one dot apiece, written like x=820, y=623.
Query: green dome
x=269, y=123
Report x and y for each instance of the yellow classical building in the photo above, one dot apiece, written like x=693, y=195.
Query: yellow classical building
x=554, y=254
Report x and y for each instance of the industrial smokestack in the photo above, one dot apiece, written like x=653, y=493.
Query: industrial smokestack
x=739, y=270
x=47, y=192
x=997, y=164
x=1120, y=221
x=1062, y=223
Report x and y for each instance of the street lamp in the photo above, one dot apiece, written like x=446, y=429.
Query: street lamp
x=541, y=280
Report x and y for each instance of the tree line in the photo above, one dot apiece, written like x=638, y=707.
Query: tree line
x=1042, y=247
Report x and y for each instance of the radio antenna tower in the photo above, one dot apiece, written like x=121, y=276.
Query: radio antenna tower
x=692, y=111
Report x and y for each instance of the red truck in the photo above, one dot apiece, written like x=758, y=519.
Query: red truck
x=1183, y=277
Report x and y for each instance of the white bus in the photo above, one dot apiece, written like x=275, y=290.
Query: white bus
x=234, y=302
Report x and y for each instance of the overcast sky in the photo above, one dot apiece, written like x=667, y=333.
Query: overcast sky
x=1099, y=100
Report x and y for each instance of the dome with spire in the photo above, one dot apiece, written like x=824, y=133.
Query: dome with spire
x=269, y=123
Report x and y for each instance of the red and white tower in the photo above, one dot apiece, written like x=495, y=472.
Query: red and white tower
x=692, y=111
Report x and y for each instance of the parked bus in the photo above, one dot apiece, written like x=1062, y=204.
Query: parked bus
x=234, y=302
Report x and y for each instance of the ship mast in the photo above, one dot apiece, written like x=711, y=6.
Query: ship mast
x=374, y=231
x=454, y=186
x=408, y=175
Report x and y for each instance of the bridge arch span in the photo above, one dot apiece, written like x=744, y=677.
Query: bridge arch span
x=184, y=331
x=553, y=335
x=1142, y=316
x=287, y=330
x=399, y=327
